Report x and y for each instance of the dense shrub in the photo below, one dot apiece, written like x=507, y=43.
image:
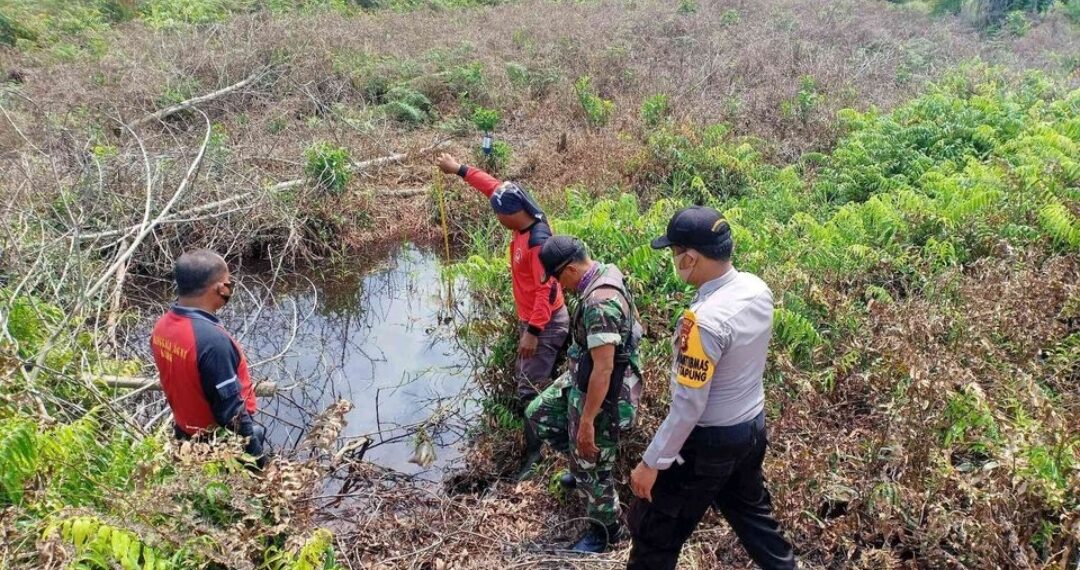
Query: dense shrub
x=655, y=110
x=328, y=166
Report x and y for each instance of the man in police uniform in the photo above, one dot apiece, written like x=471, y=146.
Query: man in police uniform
x=710, y=448
x=204, y=374
x=586, y=409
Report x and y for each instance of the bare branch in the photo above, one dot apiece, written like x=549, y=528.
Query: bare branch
x=191, y=103
x=122, y=258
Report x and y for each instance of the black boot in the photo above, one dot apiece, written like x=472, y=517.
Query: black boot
x=598, y=538
x=532, y=452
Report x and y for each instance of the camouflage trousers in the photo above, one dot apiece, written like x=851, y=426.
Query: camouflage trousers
x=555, y=415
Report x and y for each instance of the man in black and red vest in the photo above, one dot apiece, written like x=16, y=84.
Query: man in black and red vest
x=543, y=322
x=203, y=371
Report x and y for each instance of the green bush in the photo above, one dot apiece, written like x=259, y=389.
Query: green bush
x=1061, y=225
x=518, y=74
x=374, y=75
x=498, y=159
x=64, y=483
x=655, y=110
x=1017, y=23
x=328, y=165
x=1070, y=7
x=992, y=14
x=43, y=23
x=806, y=100
x=598, y=111
x=467, y=81
x=947, y=6
x=285, y=6
x=28, y=322
x=485, y=119
x=11, y=31
x=699, y=164
x=969, y=423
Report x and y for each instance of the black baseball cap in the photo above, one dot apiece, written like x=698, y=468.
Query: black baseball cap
x=558, y=251
x=695, y=226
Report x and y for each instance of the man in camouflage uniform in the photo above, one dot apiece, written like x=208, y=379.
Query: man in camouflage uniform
x=585, y=410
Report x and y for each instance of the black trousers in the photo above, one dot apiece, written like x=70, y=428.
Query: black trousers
x=722, y=469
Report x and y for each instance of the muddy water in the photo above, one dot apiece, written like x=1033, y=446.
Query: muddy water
x=382, y=339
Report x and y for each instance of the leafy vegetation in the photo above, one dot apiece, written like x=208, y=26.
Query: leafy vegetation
x=497, y=159
x=485, y=119
x=598, y=111
x=655, y=110
x=975, y=167
x=328, y=166
x=922, y=254
x=996, y=13
x=89, y=486
x=42, y=23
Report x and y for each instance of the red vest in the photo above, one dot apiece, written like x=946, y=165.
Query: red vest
x=175, y=345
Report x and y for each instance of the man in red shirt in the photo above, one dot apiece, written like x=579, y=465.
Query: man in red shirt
x=203, y=371
x=543, y=321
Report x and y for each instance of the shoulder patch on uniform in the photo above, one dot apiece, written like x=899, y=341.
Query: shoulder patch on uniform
x=539, y=233
x=693, y=368
x=603, y=294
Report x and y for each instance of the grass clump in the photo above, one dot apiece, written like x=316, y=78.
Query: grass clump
x=176, y=13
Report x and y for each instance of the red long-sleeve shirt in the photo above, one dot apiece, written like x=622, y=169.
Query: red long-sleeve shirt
x=533, y=300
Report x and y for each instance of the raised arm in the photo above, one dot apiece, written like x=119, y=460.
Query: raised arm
x=475, y=177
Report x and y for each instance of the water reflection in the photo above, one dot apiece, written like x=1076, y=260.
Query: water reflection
x=380, y=340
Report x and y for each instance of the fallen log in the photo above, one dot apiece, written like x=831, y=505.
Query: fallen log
x=186, y=215
x=190, y=103
x=263, y=388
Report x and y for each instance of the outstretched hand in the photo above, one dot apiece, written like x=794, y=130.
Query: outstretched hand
x=447, y=163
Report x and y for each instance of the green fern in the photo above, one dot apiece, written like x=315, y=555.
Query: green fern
x=970, y=424
x=102, y=545
x=1060, y=224
x=407, y=105
x=796, y=333
x=18, y=455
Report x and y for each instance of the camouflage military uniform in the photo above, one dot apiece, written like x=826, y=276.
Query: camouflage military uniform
x=604, y=316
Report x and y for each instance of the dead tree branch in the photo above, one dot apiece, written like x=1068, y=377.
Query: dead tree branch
x=147, y=228
x=191, y=103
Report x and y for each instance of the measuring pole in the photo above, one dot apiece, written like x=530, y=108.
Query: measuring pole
x=440, y=188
